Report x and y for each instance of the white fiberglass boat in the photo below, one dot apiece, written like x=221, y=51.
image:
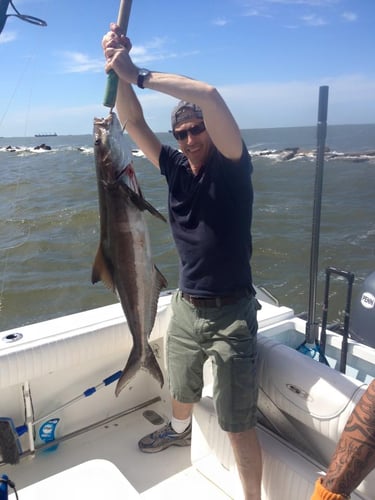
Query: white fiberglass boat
x=80, y=441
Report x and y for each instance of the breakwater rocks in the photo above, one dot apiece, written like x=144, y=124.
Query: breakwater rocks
x=296, y=153
x=20, y=149
x=277, y=155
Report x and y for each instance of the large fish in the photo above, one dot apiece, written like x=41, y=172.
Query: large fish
x=123, y=261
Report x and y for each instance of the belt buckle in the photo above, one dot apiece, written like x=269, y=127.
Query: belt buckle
x=218, y=301
x=189, y=298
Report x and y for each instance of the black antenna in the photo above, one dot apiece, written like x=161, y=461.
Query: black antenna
x=312, y=326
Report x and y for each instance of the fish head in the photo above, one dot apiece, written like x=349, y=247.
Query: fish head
x=112, y=150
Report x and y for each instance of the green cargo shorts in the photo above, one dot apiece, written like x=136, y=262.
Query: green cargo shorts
x=227, y=335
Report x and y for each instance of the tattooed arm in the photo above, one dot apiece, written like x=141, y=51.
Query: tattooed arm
x=354, y=456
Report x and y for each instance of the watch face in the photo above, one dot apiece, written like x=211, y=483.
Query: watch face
x=142, y=74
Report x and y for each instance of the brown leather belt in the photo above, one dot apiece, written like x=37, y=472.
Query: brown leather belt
x=215, y=301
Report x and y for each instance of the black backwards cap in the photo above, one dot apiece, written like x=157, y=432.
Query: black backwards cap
x=185, y=111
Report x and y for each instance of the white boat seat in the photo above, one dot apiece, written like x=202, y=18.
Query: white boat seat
x=315, y=399
x=307, y=402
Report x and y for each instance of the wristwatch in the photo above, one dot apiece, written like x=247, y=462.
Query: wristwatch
x=142, y=74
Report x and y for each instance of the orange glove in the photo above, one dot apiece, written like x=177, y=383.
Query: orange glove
x=320, y=493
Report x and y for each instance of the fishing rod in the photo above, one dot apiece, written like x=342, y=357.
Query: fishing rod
x=312, y=326
x=24, y=17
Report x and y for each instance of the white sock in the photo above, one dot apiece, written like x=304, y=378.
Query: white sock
x=180, y=425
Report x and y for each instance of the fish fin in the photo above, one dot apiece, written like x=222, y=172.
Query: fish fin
x=152, y=366
x=135, y=363
x=161, y=280
x=141, y=203
x=101, y=272
x=153, y=210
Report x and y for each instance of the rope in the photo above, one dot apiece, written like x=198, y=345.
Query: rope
x=25, y=234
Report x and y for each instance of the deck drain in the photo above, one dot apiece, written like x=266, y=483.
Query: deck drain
x=153, y=417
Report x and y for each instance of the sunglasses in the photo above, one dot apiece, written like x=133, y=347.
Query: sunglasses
x=181, y=135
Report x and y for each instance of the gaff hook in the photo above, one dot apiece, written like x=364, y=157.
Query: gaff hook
x=24, y=17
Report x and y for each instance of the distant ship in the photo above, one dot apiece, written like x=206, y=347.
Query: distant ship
x=46, y=135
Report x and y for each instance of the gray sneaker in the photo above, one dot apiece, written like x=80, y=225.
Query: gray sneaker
x=164, y=438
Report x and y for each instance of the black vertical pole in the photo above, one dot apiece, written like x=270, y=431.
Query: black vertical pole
x=312, y=326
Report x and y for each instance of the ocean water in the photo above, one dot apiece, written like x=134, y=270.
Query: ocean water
x=49, y=229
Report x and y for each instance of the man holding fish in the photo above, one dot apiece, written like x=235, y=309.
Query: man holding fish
x=210, y=211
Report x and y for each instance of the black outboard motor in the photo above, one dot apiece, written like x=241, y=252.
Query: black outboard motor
x=362, y=321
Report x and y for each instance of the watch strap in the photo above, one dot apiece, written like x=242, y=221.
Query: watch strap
x=143, y=73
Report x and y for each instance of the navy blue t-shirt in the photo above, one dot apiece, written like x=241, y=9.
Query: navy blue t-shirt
x=210, y=216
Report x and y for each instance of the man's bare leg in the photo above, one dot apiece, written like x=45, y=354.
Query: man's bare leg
x=248, y=457
x=181, y=411
x=246, y=450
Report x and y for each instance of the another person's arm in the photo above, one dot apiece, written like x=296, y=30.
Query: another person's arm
x=354, y=457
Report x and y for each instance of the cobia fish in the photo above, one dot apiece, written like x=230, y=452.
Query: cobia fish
x=123, y=261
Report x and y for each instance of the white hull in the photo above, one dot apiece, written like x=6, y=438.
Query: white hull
x=57, y=360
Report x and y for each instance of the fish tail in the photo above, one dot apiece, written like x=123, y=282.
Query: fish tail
x=152, y=366
x=136, y=362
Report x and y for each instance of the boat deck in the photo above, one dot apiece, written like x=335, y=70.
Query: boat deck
x=157, y=475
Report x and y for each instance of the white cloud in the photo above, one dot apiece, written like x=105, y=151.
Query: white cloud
x=252, y=13
x=220, y=21
x=274, y=8
x=258, y=12
x=313, y=20
x=77, y=62
x=8, y=36
x=154, y=50
x=349, y=16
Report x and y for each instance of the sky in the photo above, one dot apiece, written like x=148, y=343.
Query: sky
x=268, y=59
